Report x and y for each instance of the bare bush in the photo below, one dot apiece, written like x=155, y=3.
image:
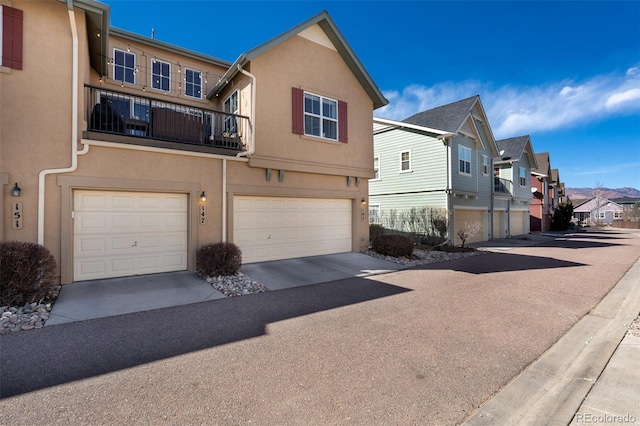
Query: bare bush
x=27, y=272
x=469, y=230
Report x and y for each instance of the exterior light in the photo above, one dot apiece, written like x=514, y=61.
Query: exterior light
x=363, y=201
x=15, y=191
x=203, y=197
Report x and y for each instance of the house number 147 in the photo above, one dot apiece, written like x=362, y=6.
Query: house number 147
x=16, y=220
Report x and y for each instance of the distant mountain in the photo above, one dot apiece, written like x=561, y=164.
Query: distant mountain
x=581, y=193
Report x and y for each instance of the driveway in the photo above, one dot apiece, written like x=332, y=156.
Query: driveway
x=427, y=345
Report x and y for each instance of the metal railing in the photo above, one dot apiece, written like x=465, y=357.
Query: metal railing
x=503, y=186
x=121, y=113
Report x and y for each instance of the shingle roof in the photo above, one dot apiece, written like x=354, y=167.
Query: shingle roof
x=544, y=164
x=446, y=117
x=513, y=147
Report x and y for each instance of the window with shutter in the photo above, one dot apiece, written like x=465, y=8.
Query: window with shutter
x=11, y=37
x=315, y=115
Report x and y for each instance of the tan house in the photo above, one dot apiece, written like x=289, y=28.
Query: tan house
x=123, y=154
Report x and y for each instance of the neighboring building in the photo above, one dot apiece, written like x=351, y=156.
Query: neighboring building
x=440, y=158
x=132, y=153
x=597, y=211
x=540, y=209
x=512, y=186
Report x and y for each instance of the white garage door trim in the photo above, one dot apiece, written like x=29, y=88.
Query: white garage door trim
x=118, y=234
x=273, y=228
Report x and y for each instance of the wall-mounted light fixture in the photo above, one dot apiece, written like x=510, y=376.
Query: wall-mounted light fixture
x=203, y=197
x=363, y=201
x=15, y=191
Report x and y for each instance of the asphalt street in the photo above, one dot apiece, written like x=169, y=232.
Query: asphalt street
x=427, y=345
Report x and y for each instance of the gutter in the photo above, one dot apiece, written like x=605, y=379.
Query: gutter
x=252, y=148
x=74, y=127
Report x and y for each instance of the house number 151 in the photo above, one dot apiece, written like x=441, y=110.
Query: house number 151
x=16, y=211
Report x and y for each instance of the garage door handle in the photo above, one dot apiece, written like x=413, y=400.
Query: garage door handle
x=135, y=244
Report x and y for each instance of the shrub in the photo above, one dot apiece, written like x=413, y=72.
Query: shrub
x=393, y=245
x=27, y=273
x=469, y=230
x=219, y=259
x=375, y=231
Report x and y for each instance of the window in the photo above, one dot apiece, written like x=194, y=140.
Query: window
x=374, y=214
x=11, y=37
x=617, y=215
x=405, y=161
x=485, y=165
x=193, y=83
x=161, y=75
x=601, y=215
x=464, y=160
x=124, y=66
x=320, y=117
x=231, y=106
x=376, y=168
x=315, y=115
x=522, y=179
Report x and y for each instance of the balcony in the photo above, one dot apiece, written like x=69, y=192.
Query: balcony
x=133, y=119
x=502, y=186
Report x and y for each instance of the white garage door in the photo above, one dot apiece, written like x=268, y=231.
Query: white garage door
x=517, y=222
x=499, y=227
x=118, y=234
x=271, y=228
x=464, y=217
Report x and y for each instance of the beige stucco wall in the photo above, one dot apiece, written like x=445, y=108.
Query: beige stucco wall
x=35, y=113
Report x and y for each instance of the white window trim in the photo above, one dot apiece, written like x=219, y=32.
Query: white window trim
x=376, y=159
x=135, y=68
x=522, y=180
x=379, y=215
x=617, y=215
x=488, y=165
x=185, y=82
x=410, y=169
x=602, y=215
x=160, y=89
x=321, y=117
x=462, y=147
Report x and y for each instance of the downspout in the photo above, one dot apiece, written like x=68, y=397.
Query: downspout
x=252, y=148
x=74, y=127
x=493, y=194
x=450, y=233
x=224, y=200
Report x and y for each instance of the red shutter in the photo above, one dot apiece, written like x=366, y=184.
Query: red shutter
x=11, y=37
x=297, y=115
x=342, y=122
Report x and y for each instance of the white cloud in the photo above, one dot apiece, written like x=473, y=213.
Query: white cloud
x=514, y=110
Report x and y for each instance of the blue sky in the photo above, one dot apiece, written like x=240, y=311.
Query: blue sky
x=567, y=73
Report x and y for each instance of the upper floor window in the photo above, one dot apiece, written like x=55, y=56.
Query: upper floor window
x=464, y=160
x=231, y=106
x=376, y=168
x=11, y=37
x=160, y=75
x=124, y=66
x=320, y=116
x=405, y=161
x=485, y=165
x=522, y=177
x=316, y=115
x=193, y=83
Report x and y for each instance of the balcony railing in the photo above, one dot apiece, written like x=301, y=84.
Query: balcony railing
x=122, y=113
x=502, y=186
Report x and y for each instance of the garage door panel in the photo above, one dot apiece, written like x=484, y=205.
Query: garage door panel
x=517, y=222
x=464, y=217
x=120, y=234
x=270, y=228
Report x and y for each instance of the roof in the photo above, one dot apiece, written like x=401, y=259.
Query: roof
x=514, y=149
x=324, y=21
x=448, y=117
x=592, y=204
x=97, y=32
x=381, y=125
x=555, y=176
x=544, y=164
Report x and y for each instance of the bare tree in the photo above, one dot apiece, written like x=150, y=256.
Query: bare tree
x=469, y=230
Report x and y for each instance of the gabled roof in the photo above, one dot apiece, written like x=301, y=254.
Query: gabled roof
x=544, y=164
x=514, y=149
x=555, y=176
x=592, y=204
x=324, y=21
x=455, y=118
x=448, y=117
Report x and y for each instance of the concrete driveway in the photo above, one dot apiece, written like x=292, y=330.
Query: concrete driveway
x=427, y=345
